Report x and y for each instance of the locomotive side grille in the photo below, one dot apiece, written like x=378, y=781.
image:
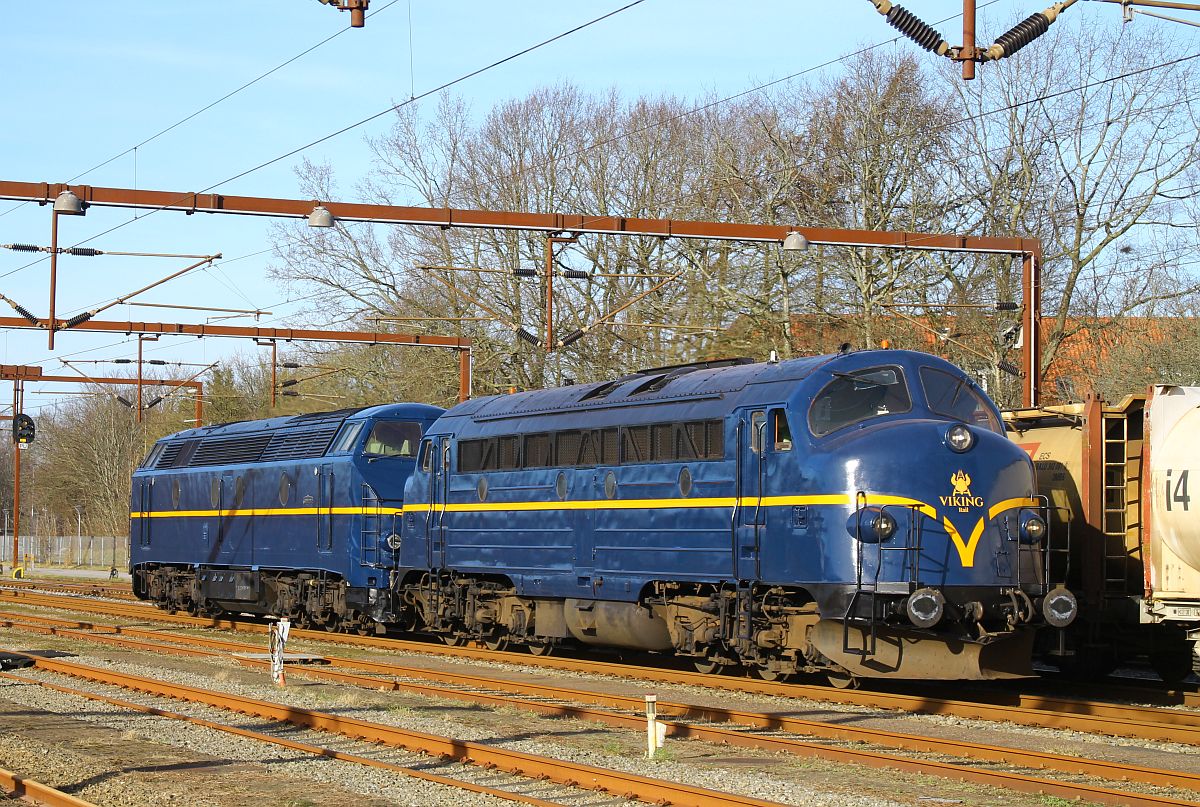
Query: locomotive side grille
x=637, y=444
x=230, y=450
x=299, y=444
x=663, y=448
x=585, y=448
x=507, y=458
x=569, y=444
x=537, y=451
x=610, y=446
x=685, y=442
x=167, y=458
x=471, y=455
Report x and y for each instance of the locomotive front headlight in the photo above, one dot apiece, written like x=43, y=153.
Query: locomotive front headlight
x=872, y=525
x=959, y=438
x=925, y=607
x=1033, y=529
x=884, y=526
x=1060, y=608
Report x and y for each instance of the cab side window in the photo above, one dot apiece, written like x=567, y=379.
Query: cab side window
x=393, y=439
x=346, y=438
x=781, y=430
x=758, y=424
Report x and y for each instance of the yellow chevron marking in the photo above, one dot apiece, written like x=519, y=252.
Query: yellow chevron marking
x=1009, y=504
x=966, y=552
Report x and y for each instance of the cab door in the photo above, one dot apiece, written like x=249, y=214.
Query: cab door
x=749, y=516
x=324, y=502
x=435, y=520
x=143, y=503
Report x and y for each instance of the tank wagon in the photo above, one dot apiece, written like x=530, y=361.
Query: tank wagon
x=293, y=516
x=861, y=514
x=1120, y=481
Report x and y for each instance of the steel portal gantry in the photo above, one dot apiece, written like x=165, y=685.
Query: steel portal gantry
x=556, y=225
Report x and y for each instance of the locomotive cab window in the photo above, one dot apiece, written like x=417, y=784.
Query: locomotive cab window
x=956, y=397
x=758, y=424
x=780, y=430
x=427, y=456
x=391, y=438
x=854, y=397
x=346, y=438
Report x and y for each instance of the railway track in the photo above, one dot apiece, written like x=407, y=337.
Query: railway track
x=115, y=591
x=531, y=768
x=1140, y=722
x=14, y=786
x=765, y=732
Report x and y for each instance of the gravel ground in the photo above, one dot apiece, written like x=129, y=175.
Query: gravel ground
x=780, y=778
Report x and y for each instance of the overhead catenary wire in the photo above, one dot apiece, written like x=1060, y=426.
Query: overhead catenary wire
x=133, y=149
x=444, y=86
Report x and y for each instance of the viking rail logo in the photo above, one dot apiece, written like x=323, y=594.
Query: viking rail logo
x=961, y=497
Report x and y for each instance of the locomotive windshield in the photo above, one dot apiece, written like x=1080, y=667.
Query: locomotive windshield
x=858, y=396
x=393, y=439
x=954, y=397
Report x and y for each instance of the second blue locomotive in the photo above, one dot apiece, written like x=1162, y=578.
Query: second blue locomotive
x=293, y=516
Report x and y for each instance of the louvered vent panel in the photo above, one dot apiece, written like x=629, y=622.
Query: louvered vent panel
x=229, y=450
x=167, y=458
x=299, y=444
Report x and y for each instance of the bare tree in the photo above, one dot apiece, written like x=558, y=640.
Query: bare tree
x=1090, y=144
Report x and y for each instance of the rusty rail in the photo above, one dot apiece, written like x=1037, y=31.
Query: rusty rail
x=18, y=787
x=570, y=774
x=88, y=589
x=289, y=744
x=630, y=719
x=1147, y=723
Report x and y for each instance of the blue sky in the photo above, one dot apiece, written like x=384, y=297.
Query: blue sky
x=87, y=81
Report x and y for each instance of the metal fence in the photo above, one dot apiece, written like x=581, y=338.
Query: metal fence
x=72, y=551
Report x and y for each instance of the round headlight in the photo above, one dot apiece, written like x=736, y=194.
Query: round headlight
x=925, y=607
x=884, y=526
x=1033, y=530
x=959, y=438
x=1060, y=608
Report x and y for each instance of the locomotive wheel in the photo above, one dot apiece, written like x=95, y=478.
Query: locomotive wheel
x=770, y=675
x=496, y=641
x=709, y=666
x=840, y=679
x=540, y=648
x=1173, y=664
x=360, y=624
x=453, y=640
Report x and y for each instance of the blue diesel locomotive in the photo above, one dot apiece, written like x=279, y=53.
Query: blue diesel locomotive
x=861, y=514
x=291, y=515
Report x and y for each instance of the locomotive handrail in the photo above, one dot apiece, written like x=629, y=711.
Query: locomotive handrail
x=737, y=496
x=759, y=438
